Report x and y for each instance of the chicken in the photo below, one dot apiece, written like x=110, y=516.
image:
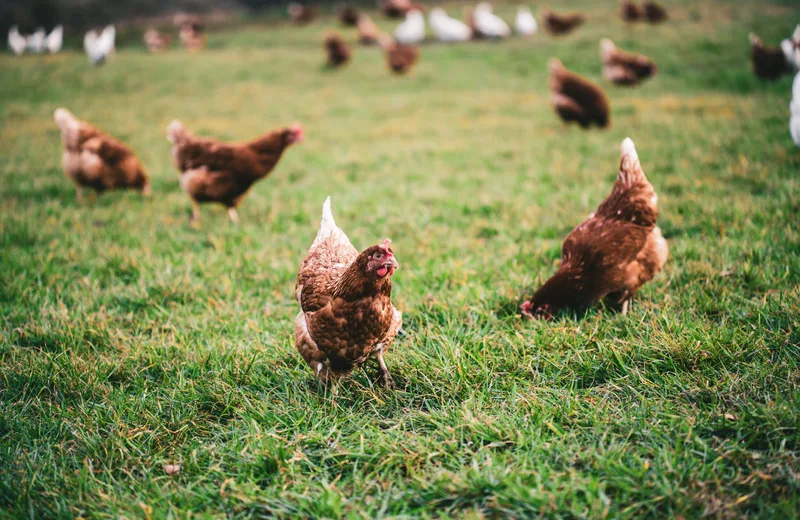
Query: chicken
x=399, y=58
x=768, y=62
x=95, y=160
x=624, y=68
x=612, y=253
x=55, y=40
x=447, y=29
x=99, y=46
x=213, y=171
x=630, y=12
x=192, y=36
x=368, y=31
x=791, y=49
x=156, y=41
x=348, y=16
x=559, y=24
x=346, y=313
x=16, y=42
x=794, y=109
x=576, y=98
x=397, y=8
x=337, y=50
x=653, y=12
x=301, y=14
x=486, y=24
x=36, y=41
x=525, y=23
x=412, y=30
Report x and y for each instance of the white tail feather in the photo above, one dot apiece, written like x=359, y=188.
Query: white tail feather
x=328, y=228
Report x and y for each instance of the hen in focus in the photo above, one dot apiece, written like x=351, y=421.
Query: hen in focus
x=213, y=171
x=576, y=98
x=346, y=314
x=624, y=68
x=95, y=160
x=612, y=253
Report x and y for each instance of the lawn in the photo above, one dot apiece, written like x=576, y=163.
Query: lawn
x=130, y=340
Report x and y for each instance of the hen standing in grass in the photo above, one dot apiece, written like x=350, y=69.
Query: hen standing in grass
x=95, y=160
x=399, y=58
x=368, y=31
x=336, y=50
x=576, y=98
x=301, y=14
x=559, y=24
x=768, y=62
x=654, y=12
x=346, y=313
x=613, y=253
x=213, y=171
x=624, y=68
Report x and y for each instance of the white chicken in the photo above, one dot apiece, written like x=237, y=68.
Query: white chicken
x=99, y=46
x=791, y=49
x=35, y=42
x=525, y=23
x=412, y=30
x=794, y=108
x=16, y=42
x=488, y=24
x=448, y=29
x=54, y=40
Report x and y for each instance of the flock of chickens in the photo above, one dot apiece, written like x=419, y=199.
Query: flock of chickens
x=346, y=315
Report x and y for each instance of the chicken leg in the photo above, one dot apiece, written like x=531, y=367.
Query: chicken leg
x=383, y=372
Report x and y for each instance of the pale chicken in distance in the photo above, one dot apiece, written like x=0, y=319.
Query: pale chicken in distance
x=576, y=98
x=794, y=109
x=346, y=313
x=36, y=41
x=155, y=40
x=16, y=42
x=791, y=49
x=99, y=45
x=525, y=23
x=624, y=68
x=368, y=31
x=486, y=24
x=412, y=30
x=214, y=171
x=95, y=160
x=55, y=40
x=615, y=251
x=447, y=29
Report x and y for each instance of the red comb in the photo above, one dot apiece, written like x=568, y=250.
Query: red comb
x=385, y=246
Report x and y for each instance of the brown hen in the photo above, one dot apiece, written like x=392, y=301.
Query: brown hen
x=624, y=68
x=400, y=58
x=768, y=62
x=368, y=31
x=337, y=51
x=654, y=12
x=560, y=24
x=613, y=253
x=576, y=98
x=95, y=160
x=213, y=171
x=346, y=314
x=301, y=14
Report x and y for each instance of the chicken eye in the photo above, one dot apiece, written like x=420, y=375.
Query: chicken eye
x=378, y=256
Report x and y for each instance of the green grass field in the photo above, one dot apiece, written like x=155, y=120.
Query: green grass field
x=129, y=340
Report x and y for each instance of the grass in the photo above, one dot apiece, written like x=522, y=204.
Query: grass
x=129, y=340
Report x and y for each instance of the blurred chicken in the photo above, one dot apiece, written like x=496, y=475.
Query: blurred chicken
x=95, y=160
x=337, y=50
x=630, y=12
x=348, y=15
x=791, y=49
x=576, y=98
x=486, y=24
x=412, y=30
x=447, y=29
x=156, y=41
x=99, y=45
x=624, y=68
x=612, y=253
x=213, y=171
x=559, y=24
x=368, y=31
x=346, y=313
x=16, y=42
x=36, y=42
x=397, y=8
x=653, y=12
x=192, y=36
x=55, y=40
x=768, y=62
x=525, y=23
x=399, y=58
x=301, y=14
x=794, y=109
